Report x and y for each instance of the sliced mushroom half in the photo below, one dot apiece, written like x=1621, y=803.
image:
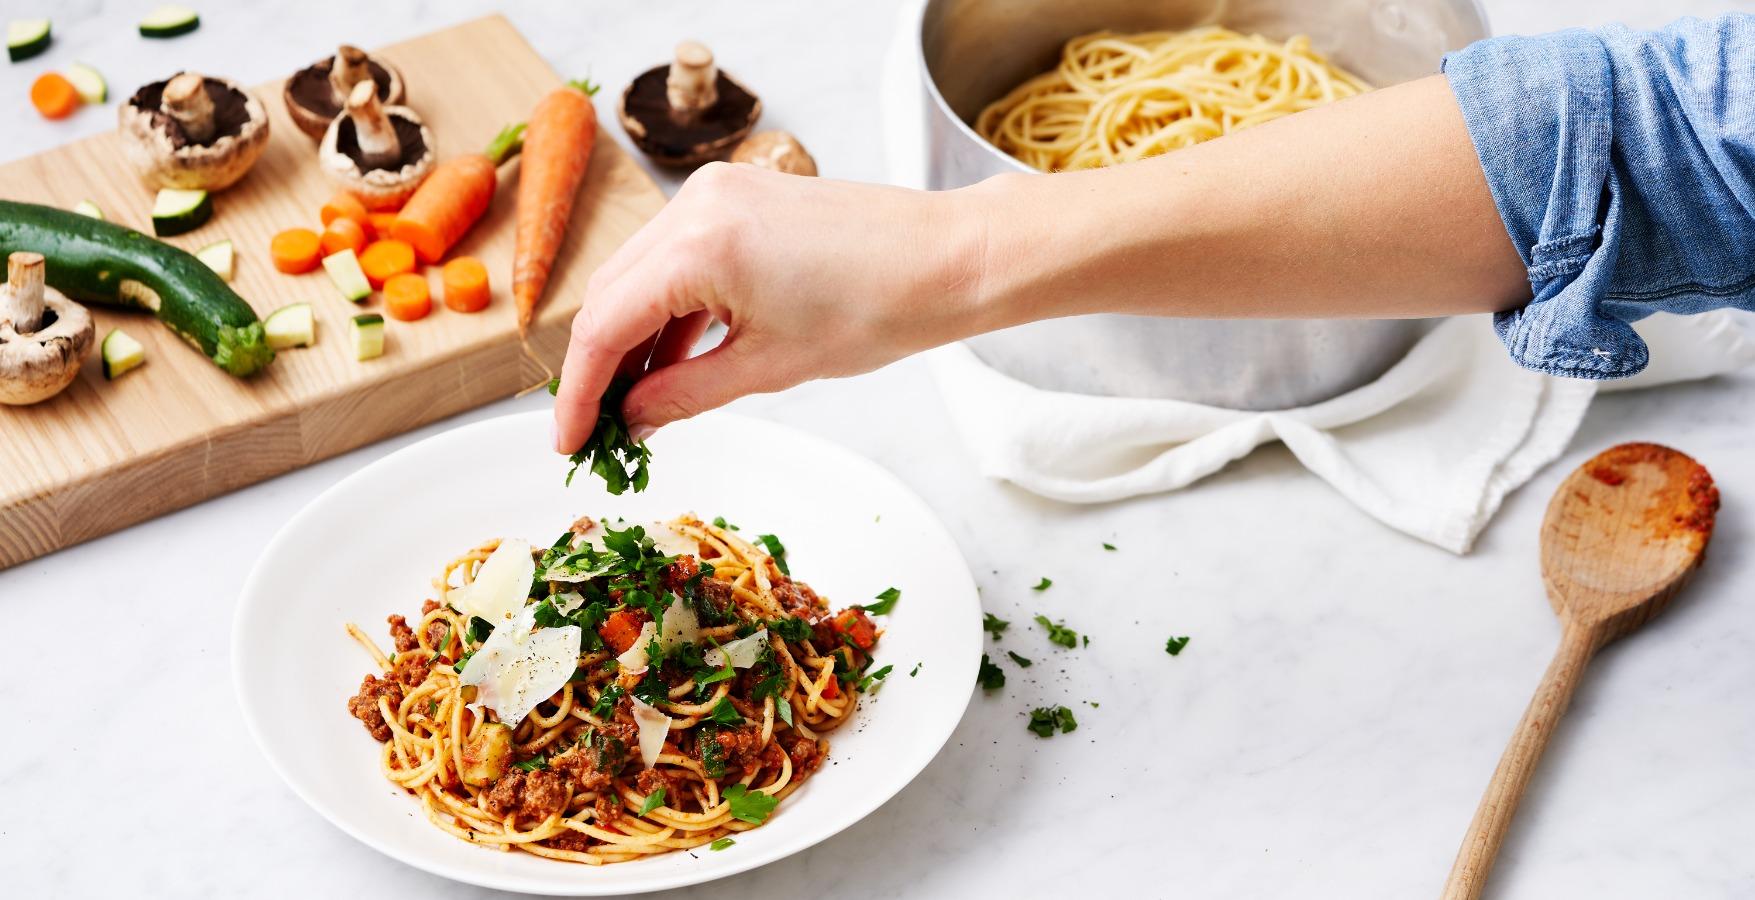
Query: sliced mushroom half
x=318, y=93
x=192, y=131
x=379, y=153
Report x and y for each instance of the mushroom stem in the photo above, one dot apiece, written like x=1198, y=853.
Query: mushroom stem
x=692, y=83
x=348, y=69
x=185, y=99
x=23, y=305
x=373, y=131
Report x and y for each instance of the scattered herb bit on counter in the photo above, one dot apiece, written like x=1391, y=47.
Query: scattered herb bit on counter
x=1059, y=634
x=557, y=150
x=1021, y=661
x=886, y=602
x=1043, y=585
x=1044, y=720
x=750, y=806
x=721, y=844
x=719, y=522
x=1092, y=703
x=776, y=550
x=653, y=800
x=915, y=671
x=609, y=453
x=1175, y=645
x=993, y=624
x=990, y=677
x=533, y=763
x=1108, y=546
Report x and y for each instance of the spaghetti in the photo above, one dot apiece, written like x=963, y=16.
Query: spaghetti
x=743, y=665
x=1117, y=98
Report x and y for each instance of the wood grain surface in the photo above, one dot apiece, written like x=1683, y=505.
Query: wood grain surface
x=102, y=456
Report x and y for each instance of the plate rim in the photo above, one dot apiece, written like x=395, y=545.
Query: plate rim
x=519, y=883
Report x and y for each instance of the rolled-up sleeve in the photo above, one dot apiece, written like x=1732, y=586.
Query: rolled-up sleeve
x=1623, y=165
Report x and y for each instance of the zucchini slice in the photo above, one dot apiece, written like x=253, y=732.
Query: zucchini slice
x=88, y=208
x=169, y=21
x=26, y=38
x=176, y=211
x=219, y=258
x=368, y=336
x=91, y=86
x=121, y=354
x=344, y=269
x=291, y=326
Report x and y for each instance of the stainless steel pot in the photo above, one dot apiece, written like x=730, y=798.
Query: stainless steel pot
x=973, y=51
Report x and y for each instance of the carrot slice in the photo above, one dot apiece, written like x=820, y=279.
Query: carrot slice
x=406, y=297
x=379, y=229
x=296, y=251
x=383, y=260
x=344, y=206
x=620, y=631
x=54, y=96
x=466, y=285
x=343, y=234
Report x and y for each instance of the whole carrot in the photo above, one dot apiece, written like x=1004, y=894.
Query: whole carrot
x=557, y=148
x=453, y=197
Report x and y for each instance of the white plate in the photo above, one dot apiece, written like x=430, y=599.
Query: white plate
x=370, y=545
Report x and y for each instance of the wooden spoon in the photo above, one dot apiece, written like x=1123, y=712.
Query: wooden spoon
x=1622, y=534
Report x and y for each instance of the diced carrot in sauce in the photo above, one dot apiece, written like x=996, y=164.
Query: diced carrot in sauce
x=858, y=628
x=620, y=631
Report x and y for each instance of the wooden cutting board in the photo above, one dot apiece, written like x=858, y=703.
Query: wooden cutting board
x=104, y=455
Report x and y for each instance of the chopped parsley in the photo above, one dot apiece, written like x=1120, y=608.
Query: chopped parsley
x=719, y=522
x=875, y=677
x=886, y=602
x=1059, y=634
x=609, y=452
x=993, y=624
x=990, y=677
x=479, y=629
x=712, y=753
x=1108, y=546
x=750, y=806
x=1175, y=645
x=790, y=629
x=461, y=662
x=716, y=676
x=533, y=763
x=653, y=801
x=1044, y=584
x=915, y=671
x=1045, y=720
x=606, y=701
x=776, y=550
x=725, y=714
x=721, y=844
x=432, y=709
x=1021, y=661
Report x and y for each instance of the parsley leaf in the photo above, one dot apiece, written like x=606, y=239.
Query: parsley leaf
x=716, y=676
x=1045, y=719
x=1043, y=585
x=533, y=763
x=653, y=801
x=1108, y=546
x=776, y=550
x=721, y=844
x=464, y=661
x=1021, y=661
x=783, y=708
x=750, y=806
x=479, y=629
x=606, y=701
x=875, y=677
x=432, y=709
x=790, y=629
x=609, y=452
x=1059, y=634
x=719, y=522
x=991, y=677
x=725, y=714
x=916, y=670
x=1175, y=645
x=993, y=624
x=886, y=602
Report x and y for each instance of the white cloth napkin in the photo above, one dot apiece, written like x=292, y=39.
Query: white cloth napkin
x=1431, y=448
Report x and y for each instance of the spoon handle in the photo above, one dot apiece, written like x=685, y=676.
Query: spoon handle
x=1493, y=817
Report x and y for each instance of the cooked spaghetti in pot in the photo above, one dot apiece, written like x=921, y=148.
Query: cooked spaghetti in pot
x=619, y=694
x=1117, y=98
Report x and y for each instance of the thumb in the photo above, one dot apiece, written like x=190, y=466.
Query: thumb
x=691, y=387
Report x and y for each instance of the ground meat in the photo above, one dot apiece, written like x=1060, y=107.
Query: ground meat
x=579, y=763
x=798, y=599
x=412, y=668
x=428, y=607
x=402, y=634
x=678, y=573
x=608, y=808
x=824, y=635
x=530, y=796
x=570, y=840
x=718, y=593
x=806, y=755
x=438, y=631
x=739, y=746
x=364, y=705
x=654, y=780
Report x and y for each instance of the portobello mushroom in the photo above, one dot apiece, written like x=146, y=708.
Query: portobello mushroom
x=316, y=94
x=192, y=132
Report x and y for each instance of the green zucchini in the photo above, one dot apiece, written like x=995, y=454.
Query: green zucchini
x=344, y=269
x=88, y=208
x=101, y=262
x=169, y=21
x=26, y=38
x=219, y=258
x=121, y=354
x=88, y=82
x=291, y=326
x=368, y=336
x=176, y=211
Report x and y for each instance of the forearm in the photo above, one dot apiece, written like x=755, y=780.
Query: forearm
x=1372, y=207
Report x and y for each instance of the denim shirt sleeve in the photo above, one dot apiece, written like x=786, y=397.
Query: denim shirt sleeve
x=1623, y=165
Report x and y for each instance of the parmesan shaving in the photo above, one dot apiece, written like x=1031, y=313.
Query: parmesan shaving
x=654, y=728
x=742, y=652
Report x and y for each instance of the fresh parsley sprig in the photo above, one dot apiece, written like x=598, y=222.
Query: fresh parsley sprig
x=610, y=452
x=750, y=806
x=886, y=602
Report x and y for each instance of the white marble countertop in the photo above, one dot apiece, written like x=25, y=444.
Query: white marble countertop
x=1326, y=734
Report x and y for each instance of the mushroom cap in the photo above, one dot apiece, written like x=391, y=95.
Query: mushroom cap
x=313, y=105
x=777, y=150
x=155, y=145
x=41, y=364
x=645, y=114
x=380, y=188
